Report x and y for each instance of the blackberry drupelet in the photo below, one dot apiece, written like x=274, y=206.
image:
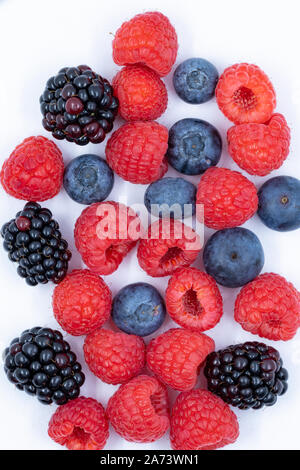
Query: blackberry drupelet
x=248, y=375
x=34, y=241
x=78, y=105
x=41, y=363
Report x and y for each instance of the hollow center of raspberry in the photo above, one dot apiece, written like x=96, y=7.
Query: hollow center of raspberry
x=79, y=438
x=171, y=256
x=245, y=98
x=191, y=303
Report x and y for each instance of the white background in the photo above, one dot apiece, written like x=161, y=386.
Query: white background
x=38, y=38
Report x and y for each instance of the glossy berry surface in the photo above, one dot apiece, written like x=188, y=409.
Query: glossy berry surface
x=41, y=363
x=233, y=257
x=88, y=179
x=248, y=375
x=78, y=105
x=194, y=146
x=138, y=309
x=195, y=80
x=279, y=203
x=33, y=241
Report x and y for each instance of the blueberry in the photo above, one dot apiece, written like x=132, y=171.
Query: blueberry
x=88, y=179
x=194, y=146
x=195, y=80
x=176, y=194
x=233, y=256
x=279, y=203
x=138, y=309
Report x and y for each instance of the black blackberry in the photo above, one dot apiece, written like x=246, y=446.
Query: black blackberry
x=33, y=240
x=248, y=375
x=78, y=105
x=41, y=363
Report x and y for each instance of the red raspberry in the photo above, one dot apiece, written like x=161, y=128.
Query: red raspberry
x=168, y=246
x=147, y=39
x=34, y=171
x=202, y=421
x=176, y=355
x=105, y=232
x=193, y=299
x=136, y=152
x=244, y=93
x=81, y=302
x=139, y=410
x=142, y=94
x=229, y=198
x=269, y=307
x=81, y=424
x=260, y=148
x=114, y=357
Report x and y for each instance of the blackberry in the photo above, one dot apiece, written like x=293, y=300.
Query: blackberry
x=33, y=240
x=78, y=105
x=248, y=375
x=41, y=363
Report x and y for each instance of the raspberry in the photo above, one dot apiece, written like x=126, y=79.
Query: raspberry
x=81, y=302
x=104, y=235
x=202, y=421
x=245, y=94
x=142, y=94
x=228, y=197
x=148, y=39
x=175, y=356
x=34, y=170
x=193, y=299
x=136, y=152
x=168, y=246
x=139, y=411
x=260, y=148
x=269, y=307
x=80, y=425
x=114, y=357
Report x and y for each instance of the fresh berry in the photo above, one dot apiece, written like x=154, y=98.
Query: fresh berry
x=147, y=39
x=88, y=179
x=245, y=94
x=195, y=80
x=114, y=357
x=175, y=357
x=229, y=199
x=139, y=411
x=33, y=240
x=138, y=309
x=34, y=170
x=248, y=375
x=41, y=363
x=142, y=94
x=202, y=421
x=269, y=307
x=81, y=302
x=233, y=256
x=169, y=245
x=193, y=300
x=136, y=152
x=104, y=234
x=260, y=148
x=78, y=105
x=80, y=425
x=279, y=203
x=194, y=146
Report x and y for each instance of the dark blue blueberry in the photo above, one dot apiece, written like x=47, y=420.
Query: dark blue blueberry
x=195, y=80
x=233, y=256
x=88, y=179
x=138, y=309
x=279, y=203
x=194, y=146
x=176, y=194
